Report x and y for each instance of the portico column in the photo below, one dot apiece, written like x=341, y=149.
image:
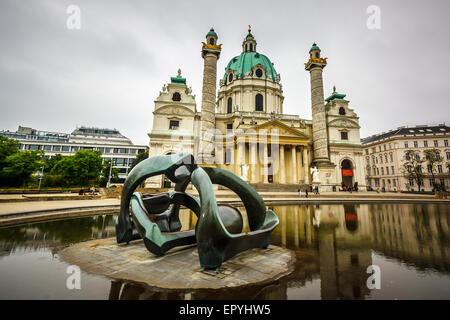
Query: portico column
x=264, y=162
x=253, y=161
x=239, y=160
x=306, y=164
x=281, y=165
x=294, y=165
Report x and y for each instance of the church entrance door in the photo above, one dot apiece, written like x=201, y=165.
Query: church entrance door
x=347, y=173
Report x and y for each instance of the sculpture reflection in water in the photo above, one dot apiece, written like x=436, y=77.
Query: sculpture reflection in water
x=218, y=233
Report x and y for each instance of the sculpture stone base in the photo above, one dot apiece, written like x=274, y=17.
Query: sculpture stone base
x=179, y=268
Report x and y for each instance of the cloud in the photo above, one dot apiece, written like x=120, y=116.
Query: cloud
x=108, y=73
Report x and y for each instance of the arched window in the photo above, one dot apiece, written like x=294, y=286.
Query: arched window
x=342, y=111
x=211, y=41
x=317, y=55
x=259, y=102
x=259, y=73
x=251, y=47
x=230, y=77
x=176, y=96
x=230, y=105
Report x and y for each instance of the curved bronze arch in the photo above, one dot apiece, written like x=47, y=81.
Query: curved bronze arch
x=219, y=228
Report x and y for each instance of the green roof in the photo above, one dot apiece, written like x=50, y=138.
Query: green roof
x=335, y=96
x=246, y=61
x=211, y=33
x=314, y=47
x=179, y=81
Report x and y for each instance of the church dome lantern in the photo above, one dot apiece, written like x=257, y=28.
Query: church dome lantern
x=250, y=64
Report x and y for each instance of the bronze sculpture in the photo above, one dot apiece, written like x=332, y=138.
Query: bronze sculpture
x=218, y=232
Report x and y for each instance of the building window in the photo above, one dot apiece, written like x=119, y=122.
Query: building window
x=417, y=156
x=387, y=170
x=416, y=144
x=368, y=171
x=385, y=158
x=425, y=144
x=393, y=172
x=344, y=135
x=56, y=148
x=65, y=149
x=342, y=111
x=368, y=160
x=381, y=158
x=259, y=73
x=176, y=96
x=446, y=143
x=438, y=155
x=376, y=160
x=378, y=172
x=259, y=102
x=74, y=149
x=391, y=157
x=435, y=143
x=174, y=124
x=230, y=105
x=211, y=41
x=411, y=182
x=230, y=77
x=448, y=155
x=367, y=151
x=406, y=144
x=442, y=181
x=384, y=147
x=229, y=127
x=439, y=168
x=429, y=169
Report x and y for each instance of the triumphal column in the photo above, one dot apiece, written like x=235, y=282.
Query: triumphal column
x=210, y=54
x=321, y=157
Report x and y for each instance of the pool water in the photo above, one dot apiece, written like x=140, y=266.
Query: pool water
x=409, y=245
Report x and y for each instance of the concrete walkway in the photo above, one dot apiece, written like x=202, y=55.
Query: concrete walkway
x=224, y=196
x=23, y=207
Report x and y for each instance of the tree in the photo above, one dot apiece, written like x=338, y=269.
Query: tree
x=49, y=163
x=412, y=167
x=21, y=165
x=7, y=147
x=433, y=159
x=141, y=156
x=81, y=169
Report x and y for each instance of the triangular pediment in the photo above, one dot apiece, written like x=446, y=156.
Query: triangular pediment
x=279, y=127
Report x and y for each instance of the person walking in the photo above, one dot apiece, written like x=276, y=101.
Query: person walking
x=306, y=192
x=299, y=193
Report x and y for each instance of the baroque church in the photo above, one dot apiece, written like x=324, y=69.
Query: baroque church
x=242, y=126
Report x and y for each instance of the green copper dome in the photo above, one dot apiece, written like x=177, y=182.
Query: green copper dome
x=245, y=62
x=314, y=47
x=211, y=33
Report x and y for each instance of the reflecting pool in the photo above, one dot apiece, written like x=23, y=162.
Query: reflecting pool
x=334, y=246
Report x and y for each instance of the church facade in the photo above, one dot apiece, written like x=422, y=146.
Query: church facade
x=242, y=126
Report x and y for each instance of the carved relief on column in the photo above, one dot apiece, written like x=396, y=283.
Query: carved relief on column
x=282, y=165
x=294, y=164
x=208, y=106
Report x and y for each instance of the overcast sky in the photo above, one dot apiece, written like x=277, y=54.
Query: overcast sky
x=108, y=73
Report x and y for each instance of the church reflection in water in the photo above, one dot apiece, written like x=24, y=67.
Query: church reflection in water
x=334, y=245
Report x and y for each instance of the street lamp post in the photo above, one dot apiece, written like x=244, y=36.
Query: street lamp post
x=109, y=178
x=41, y=176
